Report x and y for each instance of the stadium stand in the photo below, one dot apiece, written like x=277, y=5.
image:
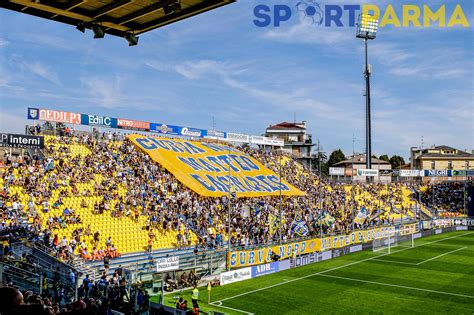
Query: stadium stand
x=96, y=205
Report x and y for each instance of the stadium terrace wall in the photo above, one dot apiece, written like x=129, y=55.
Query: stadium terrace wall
x=207, y=168
x=438, y=226
x=246, y=258
x=159, y=128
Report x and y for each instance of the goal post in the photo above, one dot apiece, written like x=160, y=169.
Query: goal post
x=392, y=240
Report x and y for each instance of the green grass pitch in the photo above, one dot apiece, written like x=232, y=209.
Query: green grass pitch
x=436, y=276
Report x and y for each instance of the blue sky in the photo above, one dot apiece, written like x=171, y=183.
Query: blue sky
x=220, y=64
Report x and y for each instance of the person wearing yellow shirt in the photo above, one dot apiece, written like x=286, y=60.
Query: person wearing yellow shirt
x=195, y=296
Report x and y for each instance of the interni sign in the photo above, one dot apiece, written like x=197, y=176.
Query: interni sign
x=21, y=141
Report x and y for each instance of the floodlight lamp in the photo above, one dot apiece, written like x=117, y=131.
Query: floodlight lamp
x=98, y=31
x=172, y=8
x=367, y=26
x=131, y=39
x=81, y=27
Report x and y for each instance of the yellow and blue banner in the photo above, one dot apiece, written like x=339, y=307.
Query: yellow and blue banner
x=204, y=168
x=245, y=258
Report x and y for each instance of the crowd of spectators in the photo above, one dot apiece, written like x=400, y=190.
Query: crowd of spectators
x=446, y=199
x=94, y=298
x=152, y=192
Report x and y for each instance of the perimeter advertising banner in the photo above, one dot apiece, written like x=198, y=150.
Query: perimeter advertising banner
x=11, y=140
x=246, y=258
x=132, y=124
x=54, y=116
x=204, y=168
x=164, y=129
x=99, y=121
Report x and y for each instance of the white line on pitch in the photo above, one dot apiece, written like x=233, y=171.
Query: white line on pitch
x=433, y=258
x=229, y=308
x=343, y=266
x=398, y=286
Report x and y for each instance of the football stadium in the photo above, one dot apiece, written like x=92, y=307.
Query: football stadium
x=173, y=177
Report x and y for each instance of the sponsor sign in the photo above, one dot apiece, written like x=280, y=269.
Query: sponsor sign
x=461, y=228
x=337, y=171
x=463, y=173
x=132, y=124
x=409, y=173
x=310, y=259
x=191, y=132
x=367, y=173
x=21, y=141
x=417, y=235
x=386, y=172
x=439, y=231
x=266, y=141
x=33, y=113
x=167, y=264
x=164, y=129
x=236, y=275
x=204, y=168
x=237, y=137
x=266, y=269
x=284, y=265
x=59, y=116
x=214, y=134
x=273, y=142
x=257, y=139
x=97, y=120
x=435, y=173
x=356, y=248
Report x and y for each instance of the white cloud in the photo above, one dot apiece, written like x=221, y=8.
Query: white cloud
x=42, y=70
x=3, y=42
x=105, y=92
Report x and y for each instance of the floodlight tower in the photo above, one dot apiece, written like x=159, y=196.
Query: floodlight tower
x=367, y=26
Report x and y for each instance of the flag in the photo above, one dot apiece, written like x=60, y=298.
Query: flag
x=324, y=218
x=299, y=228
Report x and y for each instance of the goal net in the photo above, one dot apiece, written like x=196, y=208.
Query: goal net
x=393, y=240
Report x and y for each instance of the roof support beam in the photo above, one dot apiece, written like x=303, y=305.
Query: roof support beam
x=185, y=13
x=143, y=12
x=110, y=7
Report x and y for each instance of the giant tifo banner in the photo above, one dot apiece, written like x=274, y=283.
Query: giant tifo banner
x=245, y=258
x=204, y=168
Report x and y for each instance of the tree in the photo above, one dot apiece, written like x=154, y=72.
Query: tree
x=336, y=157
x=396, y=161
x=384, y=158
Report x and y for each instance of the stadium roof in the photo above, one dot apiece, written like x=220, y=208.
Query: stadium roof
x=116, y=17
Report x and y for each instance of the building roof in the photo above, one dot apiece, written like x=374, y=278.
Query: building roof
x=360, y=159
x=288, y=125
x=457, y=154
x=116, y=17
